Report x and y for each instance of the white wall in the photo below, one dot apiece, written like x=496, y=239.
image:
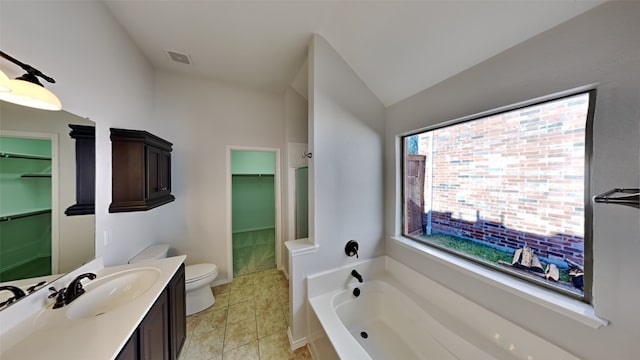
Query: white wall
x=296, y=137
x=296, y=116
x=101, y=75
x=600, y=46
x=346, y=125
x=202, y=118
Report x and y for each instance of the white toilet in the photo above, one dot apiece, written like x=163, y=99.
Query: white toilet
x=198, y=278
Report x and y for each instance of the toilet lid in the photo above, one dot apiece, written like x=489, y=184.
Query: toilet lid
x=199, y=271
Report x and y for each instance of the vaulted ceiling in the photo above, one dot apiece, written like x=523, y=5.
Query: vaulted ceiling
x=398, y=48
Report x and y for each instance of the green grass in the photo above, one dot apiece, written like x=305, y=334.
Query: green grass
x=477, y=250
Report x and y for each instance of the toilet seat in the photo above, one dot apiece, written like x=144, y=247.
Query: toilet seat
x=199, y=271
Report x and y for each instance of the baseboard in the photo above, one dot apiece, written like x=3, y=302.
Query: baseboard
x=297, y=343
x=313, y=351
x=220, y=282
x=284, y=271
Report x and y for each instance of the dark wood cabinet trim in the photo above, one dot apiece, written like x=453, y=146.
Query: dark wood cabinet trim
x=141, y=136
x=85, y=137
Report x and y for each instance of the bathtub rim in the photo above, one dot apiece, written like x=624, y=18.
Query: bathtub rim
x=344, y=344
x=562, y=305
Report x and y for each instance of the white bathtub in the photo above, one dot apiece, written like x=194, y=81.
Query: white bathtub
x=407, y=316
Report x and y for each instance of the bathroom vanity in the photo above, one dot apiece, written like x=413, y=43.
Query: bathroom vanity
x=134, y=311
x=163, y=330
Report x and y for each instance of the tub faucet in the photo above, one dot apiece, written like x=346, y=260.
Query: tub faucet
x=356, y=275
x=75, y=288
x=17, y=294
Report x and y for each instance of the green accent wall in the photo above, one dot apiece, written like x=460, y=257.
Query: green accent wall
x=36, y=147
x=253, y=162
x=302, y=202
x=253, y=190
x=25, y=242
x=253, y=202
x=18, y=193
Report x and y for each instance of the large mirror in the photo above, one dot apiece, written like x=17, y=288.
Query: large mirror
x=38, y=241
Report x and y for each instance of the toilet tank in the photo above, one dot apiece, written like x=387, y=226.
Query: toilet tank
x=153, y=252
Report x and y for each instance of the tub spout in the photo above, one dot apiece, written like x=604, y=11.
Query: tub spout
x=356, y=275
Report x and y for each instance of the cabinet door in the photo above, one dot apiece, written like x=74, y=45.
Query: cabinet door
x=154, y=331
x=165, y=173
x=130, y=349
x=178, y=313
x=154, y=165
x=158, y=173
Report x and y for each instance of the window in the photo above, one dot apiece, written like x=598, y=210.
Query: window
x=508, y=190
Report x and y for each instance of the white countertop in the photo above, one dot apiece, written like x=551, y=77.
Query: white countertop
x=49, y=334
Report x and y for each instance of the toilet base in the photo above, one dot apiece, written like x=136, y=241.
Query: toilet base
x=199, y=300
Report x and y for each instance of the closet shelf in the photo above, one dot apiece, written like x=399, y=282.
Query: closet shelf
x=629, y=197
x=35, y=175
x=23, y=156
x=23, y=214
x=252, y=175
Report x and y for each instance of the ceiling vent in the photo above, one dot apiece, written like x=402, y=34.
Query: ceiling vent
x=178, y=57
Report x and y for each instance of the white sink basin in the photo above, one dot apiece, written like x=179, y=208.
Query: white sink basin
x=112, y=291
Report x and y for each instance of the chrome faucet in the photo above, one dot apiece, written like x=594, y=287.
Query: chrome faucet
x=75, y=287
x=356, y=275
x=17, y=294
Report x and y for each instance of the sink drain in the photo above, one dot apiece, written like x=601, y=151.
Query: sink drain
x=364, y=334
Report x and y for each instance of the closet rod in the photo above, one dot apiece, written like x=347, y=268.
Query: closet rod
x=252, y=175
x=23, y=156
x=23, y=215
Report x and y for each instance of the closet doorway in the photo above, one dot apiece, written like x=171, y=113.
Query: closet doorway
x=255, y=208
x=28, y=205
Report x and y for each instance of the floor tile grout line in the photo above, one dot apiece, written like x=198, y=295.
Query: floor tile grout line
x=252, y=279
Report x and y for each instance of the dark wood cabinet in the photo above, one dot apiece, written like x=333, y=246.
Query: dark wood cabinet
x=153, y=333
x=162, y=332
x=178, y=313
x=141, y=171
x=130, y=349
x=85, y=137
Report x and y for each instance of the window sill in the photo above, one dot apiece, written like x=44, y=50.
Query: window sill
x=571, y=308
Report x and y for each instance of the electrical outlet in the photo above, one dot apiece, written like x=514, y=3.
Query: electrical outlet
x=107, y=238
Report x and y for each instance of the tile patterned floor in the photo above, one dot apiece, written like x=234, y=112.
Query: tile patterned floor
x=248, y=321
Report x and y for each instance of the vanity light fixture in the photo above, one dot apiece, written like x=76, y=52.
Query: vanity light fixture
x=4, y=82
x=27, y=90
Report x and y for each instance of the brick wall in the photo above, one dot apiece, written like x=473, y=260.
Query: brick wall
x=512, y=179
